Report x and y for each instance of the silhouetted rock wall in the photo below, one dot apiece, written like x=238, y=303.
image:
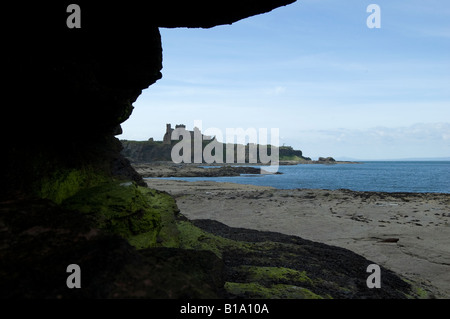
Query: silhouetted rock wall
x=71, y=88
x=67, y=91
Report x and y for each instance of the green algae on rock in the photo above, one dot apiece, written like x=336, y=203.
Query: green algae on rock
x=271, y=282
x=269, y=274
x=167, y=208
x=193, y=237
x=40, y=239
x=279, y=291
x=125, y=209
x=263, y=263
x=64, y=183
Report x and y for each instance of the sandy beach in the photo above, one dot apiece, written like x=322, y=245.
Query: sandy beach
x=405, y=232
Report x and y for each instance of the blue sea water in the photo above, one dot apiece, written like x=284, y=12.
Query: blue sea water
x=382, y=176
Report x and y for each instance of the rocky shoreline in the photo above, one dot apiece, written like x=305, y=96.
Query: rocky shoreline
x=404, y=232
x=170, y=169
x=137, y=242
x=176, y=239
x=206, y=240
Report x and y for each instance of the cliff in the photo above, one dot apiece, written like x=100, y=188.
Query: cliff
x=287, y=153
x=154, y=151
x=146, y=151
x=70, y=89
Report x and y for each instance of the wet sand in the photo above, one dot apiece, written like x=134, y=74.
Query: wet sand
x=408, y=233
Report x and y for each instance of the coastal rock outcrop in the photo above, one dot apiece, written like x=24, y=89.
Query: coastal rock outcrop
x=155, y=151
x=327, y=159
x=195, y=170
x=40, y=239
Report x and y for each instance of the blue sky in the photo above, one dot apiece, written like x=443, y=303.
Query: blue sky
x=314, y=70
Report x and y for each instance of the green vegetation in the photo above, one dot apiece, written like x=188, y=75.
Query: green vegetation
x=64, y=183
x=278, y=291
x=417, y=292
x=272, y=282
x=192, y=237
x=150, y=151
x=123, y=208
x=292, y=158
x=256, y=281
x=262, y=274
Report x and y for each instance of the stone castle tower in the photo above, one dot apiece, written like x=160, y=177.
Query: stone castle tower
x=169, y=130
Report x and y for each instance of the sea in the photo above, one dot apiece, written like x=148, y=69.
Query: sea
x=379, y=176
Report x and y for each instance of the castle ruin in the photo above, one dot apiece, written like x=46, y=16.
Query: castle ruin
x=168, y=135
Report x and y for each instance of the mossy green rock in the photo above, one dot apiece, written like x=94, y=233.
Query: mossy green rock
x=165, y=204
x=272, y=282
x=123, y=208
x=64, y=183
x=39, y=239
x=278, y=291
x=272, y=265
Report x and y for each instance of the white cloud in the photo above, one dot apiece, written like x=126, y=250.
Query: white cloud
x=276, y=90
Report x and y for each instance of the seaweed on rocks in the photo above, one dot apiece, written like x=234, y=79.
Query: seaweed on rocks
x=331, y=272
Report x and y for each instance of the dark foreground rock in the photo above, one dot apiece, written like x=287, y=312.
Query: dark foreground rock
x=274, y=265
x=198, y=259
x=40, y=239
